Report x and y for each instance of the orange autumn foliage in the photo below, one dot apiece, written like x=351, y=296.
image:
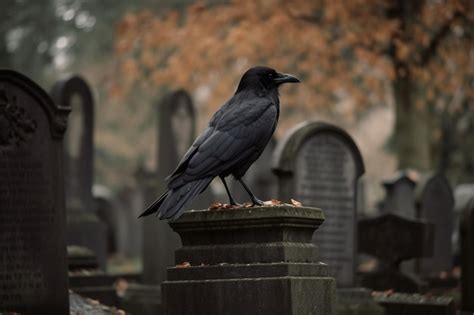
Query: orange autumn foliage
x=340, y=49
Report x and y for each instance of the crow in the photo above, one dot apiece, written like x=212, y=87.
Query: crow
x=236, y=136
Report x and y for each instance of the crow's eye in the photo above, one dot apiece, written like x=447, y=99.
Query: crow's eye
x=270, y=75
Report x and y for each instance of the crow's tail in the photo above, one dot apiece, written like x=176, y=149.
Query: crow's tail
x=171, y=204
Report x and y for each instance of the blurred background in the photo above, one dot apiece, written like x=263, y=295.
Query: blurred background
x=397, y=75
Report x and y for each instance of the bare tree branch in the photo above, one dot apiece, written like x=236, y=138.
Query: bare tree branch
x=443, y=31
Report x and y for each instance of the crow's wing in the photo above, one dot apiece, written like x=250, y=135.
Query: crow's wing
x=232, y=138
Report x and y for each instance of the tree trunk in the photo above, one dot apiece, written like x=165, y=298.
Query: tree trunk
x=412, y=132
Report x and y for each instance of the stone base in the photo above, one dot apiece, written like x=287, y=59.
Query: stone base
x=274, y=288
x=273, y=296
x=245, y=261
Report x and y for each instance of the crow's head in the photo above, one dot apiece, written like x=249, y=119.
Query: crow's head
x=264, y=77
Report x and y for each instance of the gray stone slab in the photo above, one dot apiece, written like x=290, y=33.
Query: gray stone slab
x=400, y=194
x=84, y=226
x=33, y=267
x=436, y=203
x=319, y=165
x=254, y=270
x=176, y=133
x=467, y=257
x=415, y=304
x=252, y=296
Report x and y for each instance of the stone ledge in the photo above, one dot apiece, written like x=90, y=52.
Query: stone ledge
x=196, y=219
x=237, y=271
x=277, y=295
x=247, y=253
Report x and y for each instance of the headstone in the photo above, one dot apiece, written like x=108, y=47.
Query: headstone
x=436, y=203
x=357, y=301
x=392, y=239
x=400, y=194
x=462, y=194
x=33, y=267
x=176, y=133
x=259, y=178
x=84, y=228
x=129, y=202
x=319, y=165
x=110, y=215
x=415, y=304
x=258, y=260
x=467, y=257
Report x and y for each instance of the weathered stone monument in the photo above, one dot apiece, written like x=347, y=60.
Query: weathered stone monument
x=392, y=239
x=83, y=225
x=436, y=202
x=400, y=194
x=176, y=133
x=319, y=165
x=467, y=257
x=258, y=260
x=33, y=268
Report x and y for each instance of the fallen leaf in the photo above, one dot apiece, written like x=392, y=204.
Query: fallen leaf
x=215, y=206
x=185, y=264
x=296, y=203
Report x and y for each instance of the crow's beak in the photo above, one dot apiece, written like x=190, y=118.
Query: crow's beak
x=285, y=78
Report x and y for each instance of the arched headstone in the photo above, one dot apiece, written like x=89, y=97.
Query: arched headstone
x=33, y=268
x=176, y=133
x=467, y=257
x=436, y=205
x=75, y=93
x=400, y=194
x=84, y=227
x=319, y=165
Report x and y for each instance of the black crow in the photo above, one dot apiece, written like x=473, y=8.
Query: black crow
x=237, y=135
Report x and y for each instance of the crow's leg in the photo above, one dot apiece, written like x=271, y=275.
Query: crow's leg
x=231, y=200
x=255, y=200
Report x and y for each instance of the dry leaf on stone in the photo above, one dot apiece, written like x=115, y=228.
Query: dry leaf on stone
x=185, y=264
x=296, y=203
x=215, y=206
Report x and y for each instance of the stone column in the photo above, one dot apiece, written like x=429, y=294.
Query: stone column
x=258, y=260
x=467, y=257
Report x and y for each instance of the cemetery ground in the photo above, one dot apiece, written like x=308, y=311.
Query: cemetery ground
x=310, y=249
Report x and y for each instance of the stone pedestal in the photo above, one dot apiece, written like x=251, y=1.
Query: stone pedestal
x=256, y=260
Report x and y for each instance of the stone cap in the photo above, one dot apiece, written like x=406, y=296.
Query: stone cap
x=248, y=235
x=249, y=216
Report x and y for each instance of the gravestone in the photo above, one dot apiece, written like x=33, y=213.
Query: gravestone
x=392, y=239
x=259, y=177
x=462, y=194
x=400, y=194
x=415, y=304
x=176, y=133
x=467, y=257
x=435, y=202
x=33, y=268
x=319, y=165
x=257, y=260
x=84, y=228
